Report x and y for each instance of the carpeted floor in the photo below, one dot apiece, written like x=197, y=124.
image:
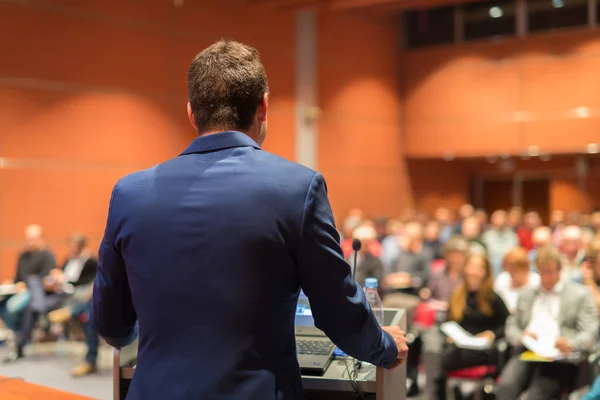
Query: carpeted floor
x=43, y=366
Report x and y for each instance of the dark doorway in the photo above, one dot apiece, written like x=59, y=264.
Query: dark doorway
x=536, y=197
x=496, y=195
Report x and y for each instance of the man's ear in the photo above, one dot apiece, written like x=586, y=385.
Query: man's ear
x=191, y=117
x=263, y=108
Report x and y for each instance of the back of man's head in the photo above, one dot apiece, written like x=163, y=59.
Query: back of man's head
x=226, y=84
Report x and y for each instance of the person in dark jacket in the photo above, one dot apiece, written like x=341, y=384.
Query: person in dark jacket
x=79, y=271
x=34, y=264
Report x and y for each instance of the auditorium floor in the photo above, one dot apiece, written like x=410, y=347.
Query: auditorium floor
x=44, y=367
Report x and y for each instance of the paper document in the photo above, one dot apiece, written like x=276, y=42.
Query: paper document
x=464, y=339
x=6, y=290
x=541, y=347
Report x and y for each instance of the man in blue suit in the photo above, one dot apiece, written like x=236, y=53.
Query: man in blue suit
x=207, y=254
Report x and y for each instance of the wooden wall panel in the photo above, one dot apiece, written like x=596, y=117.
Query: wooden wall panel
x=92, y=90
x=534, y=85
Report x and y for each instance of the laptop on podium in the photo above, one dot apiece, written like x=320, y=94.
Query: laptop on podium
x=315, y=350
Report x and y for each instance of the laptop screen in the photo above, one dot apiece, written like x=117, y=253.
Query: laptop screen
x=303, y=313
x=305, y=324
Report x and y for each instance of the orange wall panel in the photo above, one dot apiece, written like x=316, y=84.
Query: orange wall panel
x=569, y=134
x=95, y=89
x=82, y=51
x=503, y=97
x=439, y=137
x=360, y=143
x=85, y=126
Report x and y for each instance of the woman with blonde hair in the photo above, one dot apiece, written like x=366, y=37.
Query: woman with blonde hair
x=478, y=310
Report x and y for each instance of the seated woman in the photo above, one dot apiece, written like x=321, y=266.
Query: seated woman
x=516, y=277
x=478, y=310
x=435, y=296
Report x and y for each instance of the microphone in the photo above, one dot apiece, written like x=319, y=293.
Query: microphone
x=356, y=245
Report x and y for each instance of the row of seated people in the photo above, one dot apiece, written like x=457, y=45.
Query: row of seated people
x=518, y=302
x=402, y=245
x=43, y=288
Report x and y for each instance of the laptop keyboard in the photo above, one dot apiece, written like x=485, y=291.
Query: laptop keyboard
x=314, y=347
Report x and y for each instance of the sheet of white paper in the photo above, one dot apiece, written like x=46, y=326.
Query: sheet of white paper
x=5, y=290
x=541, y=347
x=464, y=339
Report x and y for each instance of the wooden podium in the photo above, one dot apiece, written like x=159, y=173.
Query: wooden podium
x=334, y=384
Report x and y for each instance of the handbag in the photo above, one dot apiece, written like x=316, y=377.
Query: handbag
x=17, y=303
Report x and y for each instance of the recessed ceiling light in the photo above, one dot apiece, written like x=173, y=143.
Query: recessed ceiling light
x=496, y=12
x=558, y=3
x=448, y=157
x=592, y=148
x=533, y=151
x=582, y=112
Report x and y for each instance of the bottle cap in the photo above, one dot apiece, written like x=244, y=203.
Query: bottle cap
x=371, y=283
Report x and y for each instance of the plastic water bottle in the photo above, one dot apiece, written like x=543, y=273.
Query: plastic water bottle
x=374, y=299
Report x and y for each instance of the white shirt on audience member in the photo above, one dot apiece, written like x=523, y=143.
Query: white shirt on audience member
x=504, y=288
x=544, y=314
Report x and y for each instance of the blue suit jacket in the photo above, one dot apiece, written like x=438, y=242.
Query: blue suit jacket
x=207, y=253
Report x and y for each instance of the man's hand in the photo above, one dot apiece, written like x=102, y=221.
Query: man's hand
x=398, y=280
x=20, y=287
x=530, y=334
x=562, y=344
x=489, y=335
x=399, y=337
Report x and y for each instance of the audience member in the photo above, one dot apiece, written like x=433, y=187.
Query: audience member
x=516, y=277
x=572, y=252
x=368, y=265
x=541, y=237
x=465, y=211
x=381, y=227
x=390, y=246
x=561, y=314
x=350, y=225
x=411, y=268
x=478, y=310
x=79, y=270
x=482, y=218
x=591, y=272
x=515, y=218
x=443, y=217
x=36, y=259
x=432, y=239
x=531, y=221
x=595, y=222
x=471, y=231
x=33, y=266
x=443, y=282
x=557, y=224
x=574, y=218
x=499, y=240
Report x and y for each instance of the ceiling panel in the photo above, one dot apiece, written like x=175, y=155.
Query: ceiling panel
x=393, y=6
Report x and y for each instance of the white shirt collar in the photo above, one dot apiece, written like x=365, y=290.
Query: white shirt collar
x=557, y=289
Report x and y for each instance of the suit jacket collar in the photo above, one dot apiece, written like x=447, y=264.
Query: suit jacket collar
x=220, y=141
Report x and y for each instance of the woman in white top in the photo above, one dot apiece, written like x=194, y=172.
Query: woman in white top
x=517, y=275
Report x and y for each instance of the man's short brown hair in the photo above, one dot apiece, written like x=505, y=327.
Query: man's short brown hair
x=226, y=84
x=547, y=255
